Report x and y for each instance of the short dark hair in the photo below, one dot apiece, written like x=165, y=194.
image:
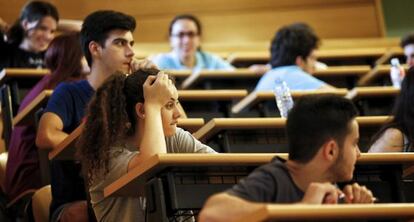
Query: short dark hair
x=97, y=25
x=314, y=120
x=188, y=17
x=291, y=41
x=407, y=40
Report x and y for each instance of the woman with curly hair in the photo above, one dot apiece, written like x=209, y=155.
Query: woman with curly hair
x=130, y=119
x=398, y=134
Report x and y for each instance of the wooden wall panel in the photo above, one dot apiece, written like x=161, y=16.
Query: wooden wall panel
x=232, y=20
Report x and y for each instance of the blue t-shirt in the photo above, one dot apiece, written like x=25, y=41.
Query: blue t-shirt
x=204, y=60
x=68, y=101
x=294, y=76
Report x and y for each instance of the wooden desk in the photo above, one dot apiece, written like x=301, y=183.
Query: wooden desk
x=185, y=181
x=258, y=96
x=66, y=149
x=380, y=54
x=10, y=81
x=379, y=75
x=372, y=91
x=233, y=75
x=301, y=212
x=27, y=115
x=214, y=95
x=331, y=75
x=257, y=135
x=216, y=125
x=10, y=74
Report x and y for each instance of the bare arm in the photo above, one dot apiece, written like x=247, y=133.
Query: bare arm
x=392, y=140
x=50, y=132
x=156, y=94
x=225, y=207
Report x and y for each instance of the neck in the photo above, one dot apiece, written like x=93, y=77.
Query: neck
x=305, y=174
x=97, y=75
x=136, y=139
x=188, y=61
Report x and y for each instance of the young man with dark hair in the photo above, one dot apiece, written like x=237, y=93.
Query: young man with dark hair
x=323, y=148
x=407, y=43
x=293, y=59
x=106, y=38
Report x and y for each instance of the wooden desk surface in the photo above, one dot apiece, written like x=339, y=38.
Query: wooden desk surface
x=378, y=71
x=217, y=124
x=191, y=95
x=127, y=185
x=337, y=71
x=341, y=211
x=66, y=149
x=372, y=91
x=320, y=54
x=17, y=73
x=26, y=116
x=257, y=96
x=331, y=71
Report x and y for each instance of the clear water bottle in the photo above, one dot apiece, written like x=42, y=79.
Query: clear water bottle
x=283, y=97
x=396, y=73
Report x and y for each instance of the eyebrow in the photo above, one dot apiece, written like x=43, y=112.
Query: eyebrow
x=123, y=39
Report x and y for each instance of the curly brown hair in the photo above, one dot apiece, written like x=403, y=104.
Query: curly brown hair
x=111, y=118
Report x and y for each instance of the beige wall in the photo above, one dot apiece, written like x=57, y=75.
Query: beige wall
x=232, y=20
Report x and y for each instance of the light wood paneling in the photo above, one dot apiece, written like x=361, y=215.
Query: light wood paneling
x=232, y=20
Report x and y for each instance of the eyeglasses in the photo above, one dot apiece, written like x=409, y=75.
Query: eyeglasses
x=183, y=34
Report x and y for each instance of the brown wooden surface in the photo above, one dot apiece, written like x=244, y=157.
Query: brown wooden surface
x=217, y=124
x=127, y=184
x=201, y=95
x=300, y=212
x=257, y=96
x=66, y=149
x=26, y=116
x=231, y=20
x=21, y=74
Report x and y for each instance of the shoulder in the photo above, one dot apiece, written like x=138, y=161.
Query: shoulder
x=391, y=140
x=162, y=59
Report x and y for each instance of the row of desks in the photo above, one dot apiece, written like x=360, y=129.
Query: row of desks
x=174, y=182
x=242, y=99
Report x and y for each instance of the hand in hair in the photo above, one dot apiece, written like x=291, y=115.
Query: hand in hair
x=158, y=90
x=141, y=64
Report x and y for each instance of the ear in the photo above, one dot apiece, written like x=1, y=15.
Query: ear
x=140, y=111
x=330, y=150
x=94, y=48
x=299, y=61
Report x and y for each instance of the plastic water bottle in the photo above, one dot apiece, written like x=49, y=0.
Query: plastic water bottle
x=396, y=73
x=283, y=97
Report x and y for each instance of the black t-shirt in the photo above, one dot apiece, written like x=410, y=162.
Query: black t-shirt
x=270, y=183
x=11, y=56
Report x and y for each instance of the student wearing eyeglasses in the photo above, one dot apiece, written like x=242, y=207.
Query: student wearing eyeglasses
x=185, y=40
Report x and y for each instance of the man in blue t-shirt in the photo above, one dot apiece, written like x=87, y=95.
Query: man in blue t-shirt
x=323, y=148
x=293, y=59
x=107, y=41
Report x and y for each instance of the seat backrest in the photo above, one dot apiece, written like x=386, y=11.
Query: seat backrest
x=40, y=204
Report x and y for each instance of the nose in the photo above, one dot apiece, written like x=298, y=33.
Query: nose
x=129, y=51
x=358, y=152
x=176, y=113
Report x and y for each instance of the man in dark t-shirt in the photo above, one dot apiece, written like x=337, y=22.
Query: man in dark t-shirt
x=106, y=40
x=323, y=148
